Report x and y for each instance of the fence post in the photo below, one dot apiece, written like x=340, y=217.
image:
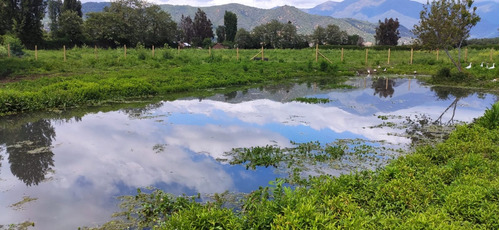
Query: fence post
x=411, y=56
x=8, y=50
x=437, y=55
x=389, y=57
x=95, y=51
x=386, y=83
x=366, y=57
x=64, y=52
x=342, y=55
x=178, y=49
x=36, y=53
x=153, y=50
x=317, y=47
x=262, y=53
x=237, y=54
x=125, y=51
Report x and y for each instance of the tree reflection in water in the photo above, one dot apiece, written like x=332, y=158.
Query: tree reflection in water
x=29, y=149
x=383, y=87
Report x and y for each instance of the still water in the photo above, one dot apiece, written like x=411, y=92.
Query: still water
x=69, y=167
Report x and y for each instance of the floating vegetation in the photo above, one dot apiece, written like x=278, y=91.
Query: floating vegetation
x=22, y=226
x=314, y=158
x=312, y=100
x=26, y=199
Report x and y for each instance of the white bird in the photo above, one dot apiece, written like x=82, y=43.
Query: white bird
x=469, y=66
x=378, y=67
x=482, y=64
x=414, y=72
x=368, y=71
x=385, y=69
x=492, y=67
x=375, y=70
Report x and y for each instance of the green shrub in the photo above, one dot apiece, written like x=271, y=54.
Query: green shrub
x=490, y=118
x=16, y=46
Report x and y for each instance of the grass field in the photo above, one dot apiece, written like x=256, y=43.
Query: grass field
x=47, y=79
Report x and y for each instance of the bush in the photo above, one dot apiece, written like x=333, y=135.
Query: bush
x=16, y=46
x=490, y=118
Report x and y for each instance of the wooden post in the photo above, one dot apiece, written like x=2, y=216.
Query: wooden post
x=389, y=57
x=95, y=51
x=411, y=56
x=125, y=51
x=342, y=55
x=262, y=53
x=386, y=83
x=409, y=82
x=8, y=50
x=64, y=52
x=366, y=57
x=465, y=58
x=153, y=50
x=437, y=55
x=178, y=49
x=317, y=47
x=36, y=53
x=237, y=54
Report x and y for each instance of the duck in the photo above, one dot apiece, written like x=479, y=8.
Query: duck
x=492, y=67
x=469, y=66
x=385, y=69
x=482, y=64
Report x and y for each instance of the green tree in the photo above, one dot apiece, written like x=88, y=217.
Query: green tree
x=202, y=28
x=27, y=18
x=54, y=8
x=6, y=16
x=244, y=39
x=72, y=5
x=445, y=24
x=221, y=34
x=231, y=25
x=335, y=36
x=387, y=32
x=71, y=28
x=129, y=22
x=319, y=35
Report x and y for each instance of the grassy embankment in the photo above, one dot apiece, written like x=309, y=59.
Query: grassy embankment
x=49, y=82
x=450, y=185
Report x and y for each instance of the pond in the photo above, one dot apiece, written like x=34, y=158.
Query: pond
x=65, y=169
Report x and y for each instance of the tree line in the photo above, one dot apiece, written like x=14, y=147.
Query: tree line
x=137, y=22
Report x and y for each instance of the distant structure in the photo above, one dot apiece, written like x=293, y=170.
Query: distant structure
x=218, y=46
x=367, y=44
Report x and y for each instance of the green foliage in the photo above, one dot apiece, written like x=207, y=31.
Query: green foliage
x=387, y=32
x=16, y=46
x=490, y=118
x=230, y=24
x=312, y=100
x=446, y=75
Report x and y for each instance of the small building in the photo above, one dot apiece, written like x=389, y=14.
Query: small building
x=218, y=46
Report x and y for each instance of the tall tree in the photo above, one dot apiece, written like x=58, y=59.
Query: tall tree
x=73, y=5
x=130, y=22
x=231, y=25
x=445, y=24
x=27, y=18
x=244, y=39
x=335, y=36
x=202, y=27
x=71, y=28
x=387, y=32
x=221, y=33
x=54, y=11
x=186, y=28
x=6, y=16
x=319, y=35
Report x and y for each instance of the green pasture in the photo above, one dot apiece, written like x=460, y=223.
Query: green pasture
x=44, y=79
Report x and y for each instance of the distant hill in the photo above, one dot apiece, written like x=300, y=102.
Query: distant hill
x=406, y=11
x=250, y=17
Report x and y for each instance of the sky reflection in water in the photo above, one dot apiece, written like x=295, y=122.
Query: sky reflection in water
x=75, y=167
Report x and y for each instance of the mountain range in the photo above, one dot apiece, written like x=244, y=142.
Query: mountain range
x=354, y=16
x=407, y=12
